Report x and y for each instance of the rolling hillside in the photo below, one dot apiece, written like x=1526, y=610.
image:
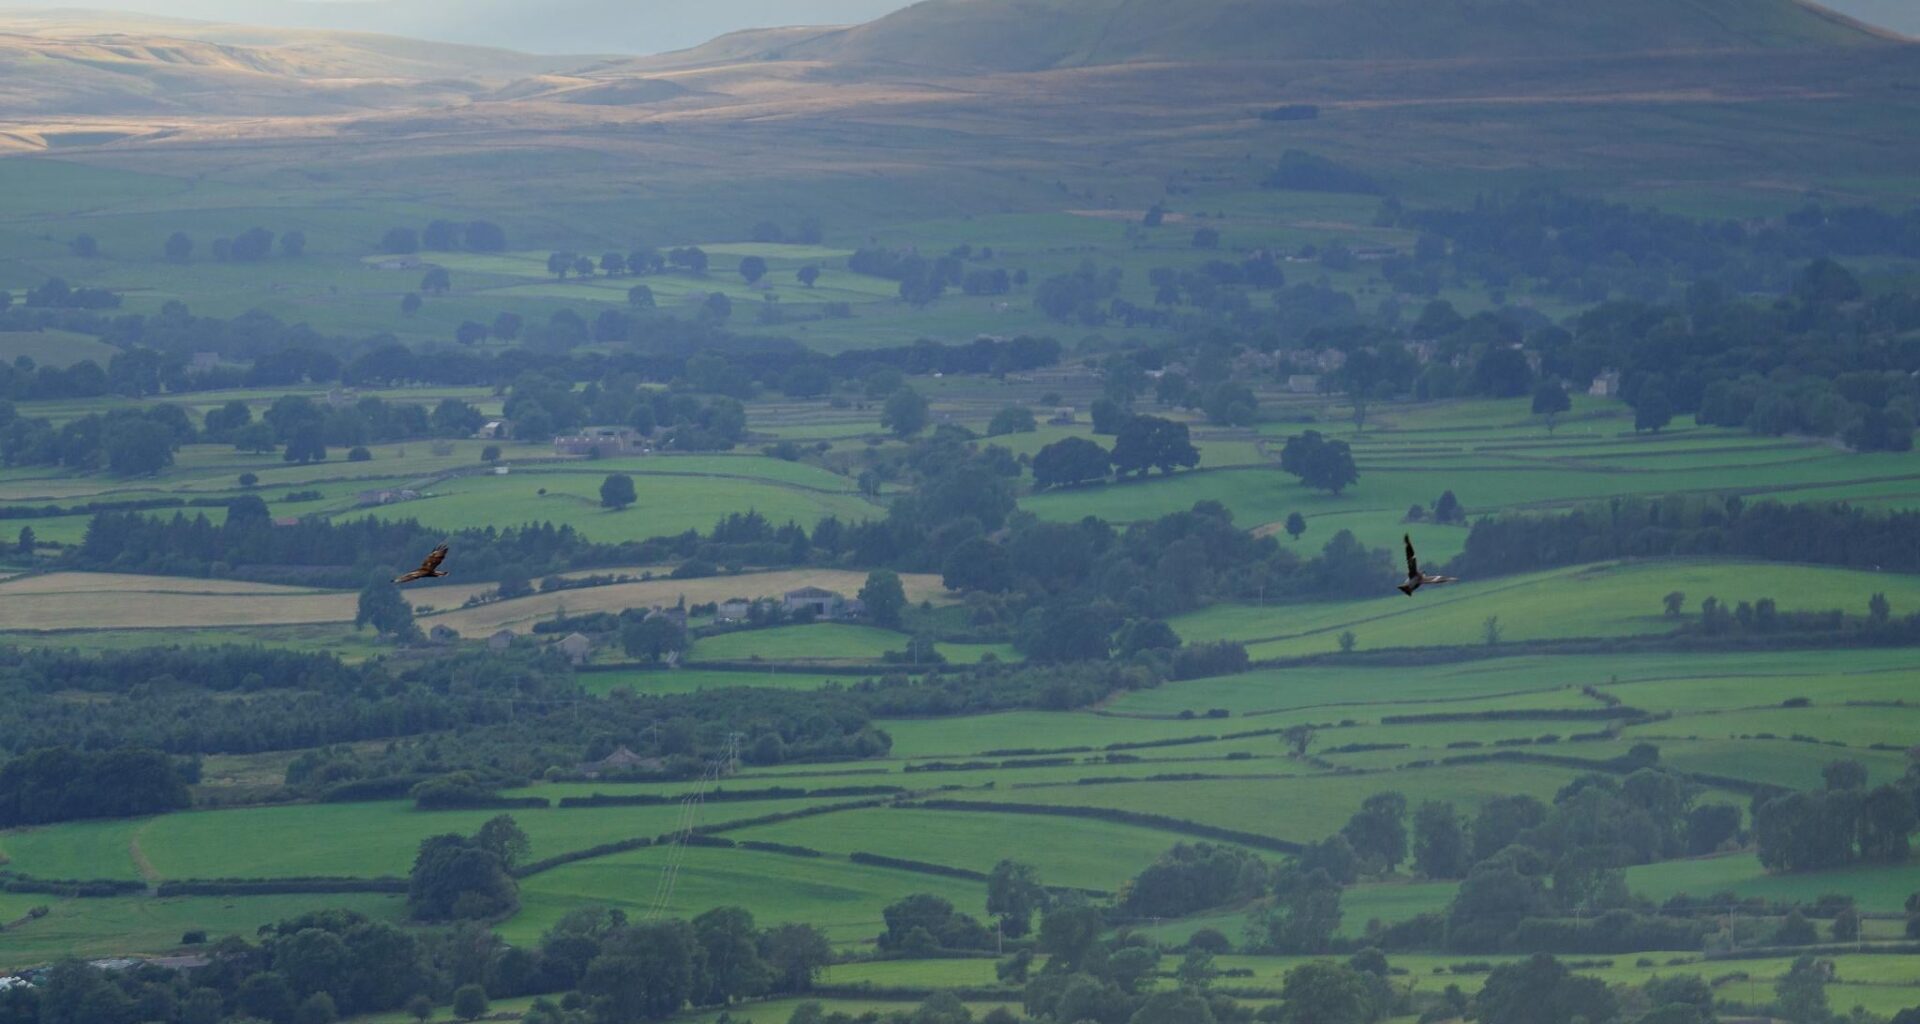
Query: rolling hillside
x=1030, y=35
x=97, y=64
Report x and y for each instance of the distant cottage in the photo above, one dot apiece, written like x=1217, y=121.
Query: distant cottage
x=1607, y=385
x=576, y=647
x=500, y=641
x=824, y=604
x=621, y=760
x=602, y=442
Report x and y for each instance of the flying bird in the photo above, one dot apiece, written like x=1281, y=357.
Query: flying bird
x=430, y=569
x=1415, y=578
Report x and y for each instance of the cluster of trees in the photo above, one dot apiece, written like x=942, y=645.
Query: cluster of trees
x=1141, y=444
x=195, y=701
x=1319, y=462
x=1301, y=171
x=324, y=965
x=923, y=279
x=444, y=236
x=250, y=246
x=56, y=293
x=1584, y=249
x=64, y=784
x=126, y=442
x=1825, y=361
x=1683, y=525
x=1526, y=865
x=456, y=877
x=1845, y=823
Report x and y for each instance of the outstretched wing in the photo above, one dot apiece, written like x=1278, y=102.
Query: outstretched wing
x=428, y=567
x=1413, y=564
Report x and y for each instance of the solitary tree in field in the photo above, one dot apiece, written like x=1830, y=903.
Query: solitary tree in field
x=400, y=241
x=179, y=247
x=1654, y=410
x=640, y=297
x=1318, y=462
x=410, y=304
x=506, y=326
x=490, y=454
x=652, y=638
x=293, y=244
x=1673, y=602
x=27, y=541
x=906, y=413
x=753, y=268
x=1014, y=894
x=382, y=607
x=1348, y=641
x=1296, y=525
x=616, y=491
x=1490, y=631
x=470, y=332
x=469, y=1002
x=884, y=597
x=808, y=275
x=1550, y=400
x=1150, y=442
x=436, y=281
x=420, y=1007
x=1070, y=461
x=1879, y=609
x=583, y=267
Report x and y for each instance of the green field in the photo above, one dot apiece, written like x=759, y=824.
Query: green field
x=842, y=898
x=142, y=924
x=359, y=840
x=1604, y=600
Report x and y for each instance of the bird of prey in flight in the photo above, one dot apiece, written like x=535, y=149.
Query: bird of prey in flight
x=1415, y=578
x=430, y=569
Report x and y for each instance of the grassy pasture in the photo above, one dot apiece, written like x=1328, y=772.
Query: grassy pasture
x=695, y=680
x=54, y=348
x=1601, y=600
x=61, y=601
x=843, y=898
x=521, y=613
x=1892, y=727
x=360, y=840
x=1304, y=809
x=1088, y=854
x=820, y=642
x=664, y=505
x=1878, y=889
x=142, y=924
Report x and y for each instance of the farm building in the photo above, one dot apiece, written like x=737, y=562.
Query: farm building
x=1303, y=383
x=823, y=603
x=735, y=609
x=494, y=430
x=386, y=496
x=1607, y=385
x=677, y=616
x=621, y=760
x=500, y=641
x=601, y=441
x=576, y=647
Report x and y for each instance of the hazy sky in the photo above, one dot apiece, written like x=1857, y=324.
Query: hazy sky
x=615, y=26
x=538, y=26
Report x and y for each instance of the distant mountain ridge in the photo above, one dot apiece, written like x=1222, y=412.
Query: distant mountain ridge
x=1034, y=35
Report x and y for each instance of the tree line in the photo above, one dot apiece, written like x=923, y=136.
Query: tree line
x=1692, y=525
